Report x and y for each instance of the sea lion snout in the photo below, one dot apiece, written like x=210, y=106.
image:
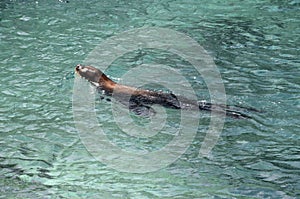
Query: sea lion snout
x=83, y=69
x=78, y=67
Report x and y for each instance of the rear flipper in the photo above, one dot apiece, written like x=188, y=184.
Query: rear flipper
x=231, y=111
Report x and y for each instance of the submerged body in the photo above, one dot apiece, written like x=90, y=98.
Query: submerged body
x=139, y=101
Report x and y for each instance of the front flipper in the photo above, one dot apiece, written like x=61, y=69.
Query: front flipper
x=142, y=110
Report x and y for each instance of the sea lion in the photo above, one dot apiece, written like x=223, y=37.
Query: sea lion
x=139, y=101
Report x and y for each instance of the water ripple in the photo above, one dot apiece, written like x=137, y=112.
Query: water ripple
x=255, y=46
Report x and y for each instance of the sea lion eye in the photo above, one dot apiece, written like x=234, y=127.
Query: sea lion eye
x=84, y=70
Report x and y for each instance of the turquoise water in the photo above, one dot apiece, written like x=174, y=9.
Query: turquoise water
x=255, y=45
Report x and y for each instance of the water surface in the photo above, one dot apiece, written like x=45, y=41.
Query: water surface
x=255, y=45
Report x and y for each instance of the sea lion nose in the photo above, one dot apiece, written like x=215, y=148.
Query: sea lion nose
x=79, y=67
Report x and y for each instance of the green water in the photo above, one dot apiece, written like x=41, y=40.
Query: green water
x=255, y=45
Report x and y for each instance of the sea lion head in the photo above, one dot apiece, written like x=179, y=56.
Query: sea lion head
x=89, y=73
x=96, y=77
